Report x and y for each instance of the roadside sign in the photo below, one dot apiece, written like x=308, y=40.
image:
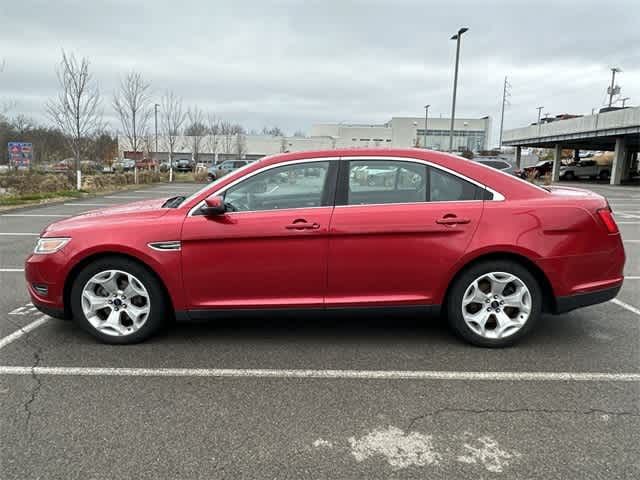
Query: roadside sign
x=20, y=154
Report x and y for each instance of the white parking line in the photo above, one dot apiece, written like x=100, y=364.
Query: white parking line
x=22, y=331
x=622, y=304
x=91, y=204
x=632, y=277
x=18, y=234
x=131, y=197
x=631, y=241
x=33, y=215
x=11, y=269
x=328, y=374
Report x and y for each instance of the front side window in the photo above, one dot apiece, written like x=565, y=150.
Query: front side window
x=290, y=186
x=386, y=181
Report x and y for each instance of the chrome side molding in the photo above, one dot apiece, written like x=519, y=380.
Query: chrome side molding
x=169, y=245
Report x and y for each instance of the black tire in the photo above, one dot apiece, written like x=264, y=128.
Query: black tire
x=569, y=176
x=604, y=175
x=462, y=282
x=159, y=314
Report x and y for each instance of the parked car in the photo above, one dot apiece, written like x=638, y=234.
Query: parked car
x=585, y=168
x=498, y=163
x=228, y=166
x=540, y=169
x=183, y=165
x=128, y=164
x=489, y=250
x=146, y=164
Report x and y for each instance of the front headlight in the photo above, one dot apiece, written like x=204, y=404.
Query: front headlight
x=50, y=245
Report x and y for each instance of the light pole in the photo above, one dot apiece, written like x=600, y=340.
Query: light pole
x=426, y=117
x=538, y=123
x=457, y=38
x=155, y=116
x=612, y=88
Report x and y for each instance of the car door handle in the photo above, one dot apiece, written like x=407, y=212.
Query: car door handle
x=453, y=221
x=303, y=226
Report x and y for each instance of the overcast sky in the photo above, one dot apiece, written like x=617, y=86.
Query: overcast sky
x=295, y=63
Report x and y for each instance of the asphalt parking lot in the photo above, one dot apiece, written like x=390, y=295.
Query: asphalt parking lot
x=341, y=397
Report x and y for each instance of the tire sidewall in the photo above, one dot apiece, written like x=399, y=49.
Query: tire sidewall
x=157, y=300
x=454, y=302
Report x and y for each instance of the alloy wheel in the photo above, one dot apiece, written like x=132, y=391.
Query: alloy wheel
x=115, y=302
x=496, y=305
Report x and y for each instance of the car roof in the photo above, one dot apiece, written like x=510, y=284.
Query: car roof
x=509, y=185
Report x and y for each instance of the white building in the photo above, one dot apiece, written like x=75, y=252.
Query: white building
x=400, y=132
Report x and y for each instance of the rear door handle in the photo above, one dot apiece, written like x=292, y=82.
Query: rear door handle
x=303, y=226
x=453, y=221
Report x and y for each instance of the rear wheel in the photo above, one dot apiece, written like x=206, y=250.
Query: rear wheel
x=569, y=176
x=118, y=301
x=604, y=175
x=494, y=304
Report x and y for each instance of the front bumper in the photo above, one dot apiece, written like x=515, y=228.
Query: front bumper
x=571, y=302
x=47, y=272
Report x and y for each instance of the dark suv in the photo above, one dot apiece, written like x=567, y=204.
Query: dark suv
x=184, y=165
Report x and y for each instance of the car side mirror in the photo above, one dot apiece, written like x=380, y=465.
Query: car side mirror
x=214, y=205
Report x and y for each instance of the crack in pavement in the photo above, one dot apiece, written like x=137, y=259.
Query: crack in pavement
x=590, y=411
x=37, y=348
x=36, y=389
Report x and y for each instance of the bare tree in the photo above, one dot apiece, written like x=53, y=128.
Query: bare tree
x=196, y=130
x=131, y=103
x=172, y=119
x=240, y=145
x=5, y=105
x=299, y=133
x=22, y=124
x=226, y=130
x=76, y=110
x=273, y=131
x=213, y=139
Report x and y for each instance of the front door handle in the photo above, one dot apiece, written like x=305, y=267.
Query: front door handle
x=303, y=226
x=453, y=221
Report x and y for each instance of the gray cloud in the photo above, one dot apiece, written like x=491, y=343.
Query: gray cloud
x=293, y=63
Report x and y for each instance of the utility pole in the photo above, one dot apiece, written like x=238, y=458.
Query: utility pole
x=613, y=88
x=155, y=108
x=426, y=117
x=538, y=123
x=624, y=100
x=457, y=37
x=505, y=93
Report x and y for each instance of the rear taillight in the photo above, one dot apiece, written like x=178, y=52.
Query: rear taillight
x=607, y=220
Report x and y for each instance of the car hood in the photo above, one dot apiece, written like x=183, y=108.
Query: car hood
x=128, y=212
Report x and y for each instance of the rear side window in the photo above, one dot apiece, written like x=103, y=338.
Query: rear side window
x=386, y=181
x=445, y=187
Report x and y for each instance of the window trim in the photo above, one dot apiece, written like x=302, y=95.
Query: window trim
x=330, y=182
x=343, y=182
x=341, y=176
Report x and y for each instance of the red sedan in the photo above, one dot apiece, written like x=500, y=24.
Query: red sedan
x=341, y=228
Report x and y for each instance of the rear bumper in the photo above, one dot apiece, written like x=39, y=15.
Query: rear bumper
x=571, y=302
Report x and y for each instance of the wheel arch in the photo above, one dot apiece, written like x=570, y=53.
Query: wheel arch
x=548, y=297
x=77, y=268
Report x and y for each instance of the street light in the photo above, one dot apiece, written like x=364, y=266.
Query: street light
x=155, y=109
x=426, y=116
x=457, y=38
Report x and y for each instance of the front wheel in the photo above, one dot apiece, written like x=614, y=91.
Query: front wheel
x=604, y=175
x=118, y=301
x=494, y=304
